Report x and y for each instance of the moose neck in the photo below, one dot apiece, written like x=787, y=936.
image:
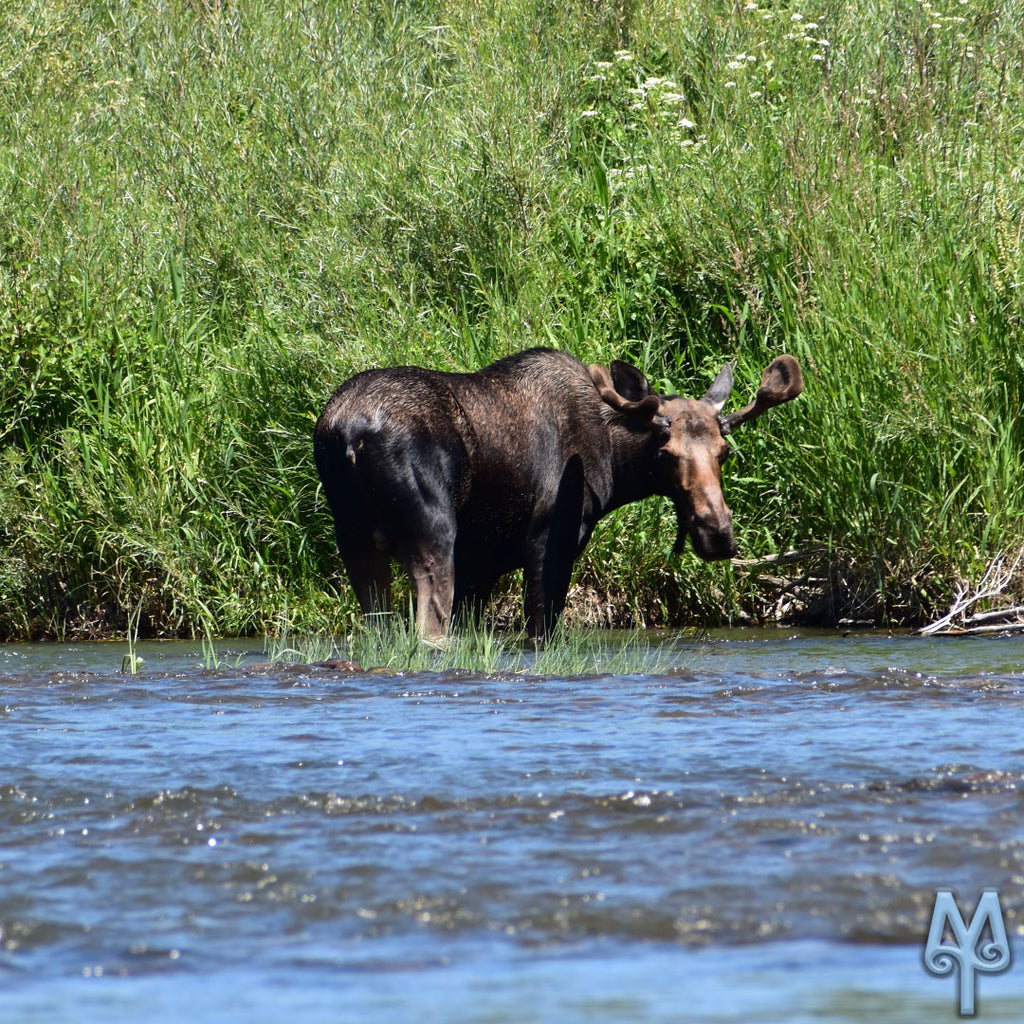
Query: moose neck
x=632, y=458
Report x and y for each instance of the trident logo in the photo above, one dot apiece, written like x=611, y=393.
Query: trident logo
x=967, y=951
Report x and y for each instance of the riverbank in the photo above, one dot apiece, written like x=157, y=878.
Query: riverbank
x=798, y=589
x=214, y=214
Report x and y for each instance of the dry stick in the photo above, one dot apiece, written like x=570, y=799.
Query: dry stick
x=1004, y=627
x=996, y=616
x=992, y=584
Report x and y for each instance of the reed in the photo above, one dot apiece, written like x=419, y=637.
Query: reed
x=215, y=213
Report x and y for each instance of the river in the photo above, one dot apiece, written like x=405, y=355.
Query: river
x=755, y=832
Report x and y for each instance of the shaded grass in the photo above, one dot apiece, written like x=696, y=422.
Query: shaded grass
x=215, y=213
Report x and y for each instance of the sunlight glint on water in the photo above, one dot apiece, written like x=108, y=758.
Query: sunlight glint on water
x=758, y=828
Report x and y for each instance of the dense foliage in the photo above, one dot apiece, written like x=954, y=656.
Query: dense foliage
x=212, y=213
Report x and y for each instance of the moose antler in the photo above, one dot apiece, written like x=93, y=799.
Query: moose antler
x=782, y=382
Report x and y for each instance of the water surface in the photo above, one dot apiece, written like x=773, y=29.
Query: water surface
x=755, y=833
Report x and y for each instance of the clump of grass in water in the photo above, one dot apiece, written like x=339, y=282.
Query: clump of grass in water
x=577, y=652
x=132, y=662
x=390, y=643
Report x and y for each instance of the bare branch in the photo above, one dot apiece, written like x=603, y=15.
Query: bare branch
x=994, y=582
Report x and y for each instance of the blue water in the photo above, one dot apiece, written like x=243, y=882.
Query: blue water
x=755, y=832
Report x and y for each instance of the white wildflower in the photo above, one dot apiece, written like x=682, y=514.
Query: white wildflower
x=796, y=17
x=730, y=85
x=623, y=55
x=685, y=122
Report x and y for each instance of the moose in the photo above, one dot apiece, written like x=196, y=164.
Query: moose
x=464, y=477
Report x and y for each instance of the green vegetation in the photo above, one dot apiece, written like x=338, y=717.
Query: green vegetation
x=392, y=645
x=212, y=213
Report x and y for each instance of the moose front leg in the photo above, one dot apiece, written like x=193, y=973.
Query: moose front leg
x=547, y=575
x=555, y=541
x=545, y=597
x=533, y=602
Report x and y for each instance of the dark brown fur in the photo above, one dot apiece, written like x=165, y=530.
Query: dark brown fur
x=464, y=477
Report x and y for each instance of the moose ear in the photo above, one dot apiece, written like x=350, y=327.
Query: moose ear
x=782, y=382
x=629, y=381
x=721, y=387
x=646, y=403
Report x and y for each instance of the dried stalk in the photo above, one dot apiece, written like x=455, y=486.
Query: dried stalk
x=997, y=578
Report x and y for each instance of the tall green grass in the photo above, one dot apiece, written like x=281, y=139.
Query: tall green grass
x=213, y=213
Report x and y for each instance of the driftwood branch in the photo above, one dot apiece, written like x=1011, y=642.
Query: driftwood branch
x=1005, y=628
x=956, y=622
x=1005, y=614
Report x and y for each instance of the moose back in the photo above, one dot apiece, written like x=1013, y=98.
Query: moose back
x=463, y=477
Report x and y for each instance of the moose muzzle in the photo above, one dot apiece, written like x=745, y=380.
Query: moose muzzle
x=709, y=529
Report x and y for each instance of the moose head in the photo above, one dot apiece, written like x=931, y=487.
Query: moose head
x=686, y=443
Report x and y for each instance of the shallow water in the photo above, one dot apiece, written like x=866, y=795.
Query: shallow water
x=756, y=833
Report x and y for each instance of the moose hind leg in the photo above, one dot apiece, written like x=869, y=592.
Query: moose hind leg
x=369, y=572
x=433, y=575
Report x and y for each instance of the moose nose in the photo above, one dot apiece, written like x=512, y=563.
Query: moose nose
x=712, y=536
x=714, y=546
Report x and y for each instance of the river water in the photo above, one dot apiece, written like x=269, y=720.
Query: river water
x=756, y=833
